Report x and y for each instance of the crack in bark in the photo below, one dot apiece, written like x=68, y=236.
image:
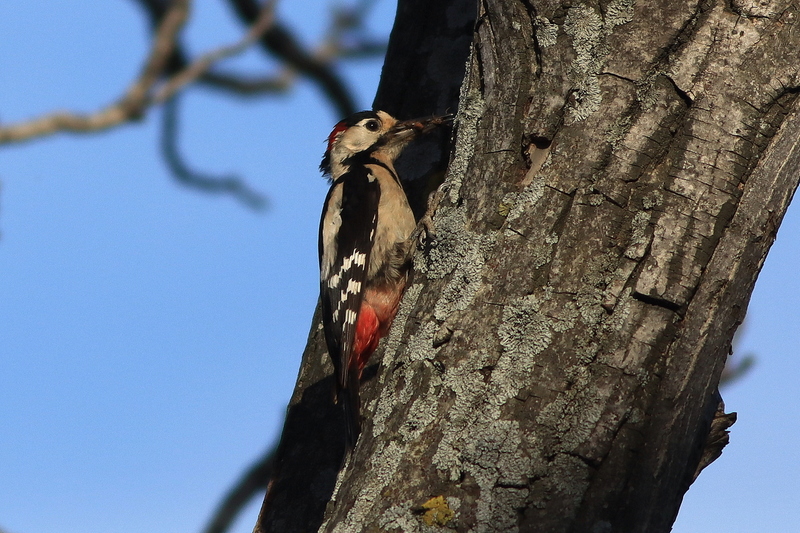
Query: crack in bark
x=618, y=76
x=537, y=49
x=657, y=301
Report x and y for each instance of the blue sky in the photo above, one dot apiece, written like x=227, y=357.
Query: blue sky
x=150, y=336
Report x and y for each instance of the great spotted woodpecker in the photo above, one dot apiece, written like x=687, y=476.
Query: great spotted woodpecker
x=364, y=244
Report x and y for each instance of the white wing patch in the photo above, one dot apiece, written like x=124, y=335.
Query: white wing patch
x=357, y=259
x=353, y=287
x=346, y=258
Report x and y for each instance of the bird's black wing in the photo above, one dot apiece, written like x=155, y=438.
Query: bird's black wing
x=347, y=233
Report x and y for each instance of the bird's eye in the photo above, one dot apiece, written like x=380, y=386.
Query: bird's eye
x=372, y=125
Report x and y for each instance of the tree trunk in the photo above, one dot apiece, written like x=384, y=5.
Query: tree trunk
x=619, y=172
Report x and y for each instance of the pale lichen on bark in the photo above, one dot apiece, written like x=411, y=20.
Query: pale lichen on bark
x=588, y=31
x=549, y=322
x=457, y=254
x=382, y=467
x=546, y=31
x=470, y=111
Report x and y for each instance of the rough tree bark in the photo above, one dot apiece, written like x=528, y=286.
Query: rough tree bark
x=620, y=170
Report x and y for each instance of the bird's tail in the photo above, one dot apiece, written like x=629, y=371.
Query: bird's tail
x=351, y=403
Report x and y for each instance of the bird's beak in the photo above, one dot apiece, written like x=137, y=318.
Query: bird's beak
x=408, y=129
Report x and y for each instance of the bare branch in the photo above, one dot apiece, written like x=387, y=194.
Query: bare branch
x=232, y=185
x=735, y=369
x=363, y=49
x=167, y=57
x=737, y=366
x=347, y=21
x=301, y=61
x=138, y=97
x=253, y=481
x=263, y=22
x=129, y=107
x=156, y=10
x=280, y=41
x=249, y=86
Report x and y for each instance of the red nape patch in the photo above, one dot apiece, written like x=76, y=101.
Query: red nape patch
x=337, y=129
x=367, y=335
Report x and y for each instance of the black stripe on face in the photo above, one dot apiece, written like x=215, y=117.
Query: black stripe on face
x=355, y=118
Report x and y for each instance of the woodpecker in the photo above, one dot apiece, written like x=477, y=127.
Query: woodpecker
x=365, y=244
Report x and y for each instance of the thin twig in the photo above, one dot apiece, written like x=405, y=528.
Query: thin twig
x=230, y=184
x=344, y=21
x=245, y=86
x=263, y=22
x=281, y=42
x=736, y=369
x=252, y=482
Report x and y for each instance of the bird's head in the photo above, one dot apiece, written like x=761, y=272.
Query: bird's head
x=374, y=132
